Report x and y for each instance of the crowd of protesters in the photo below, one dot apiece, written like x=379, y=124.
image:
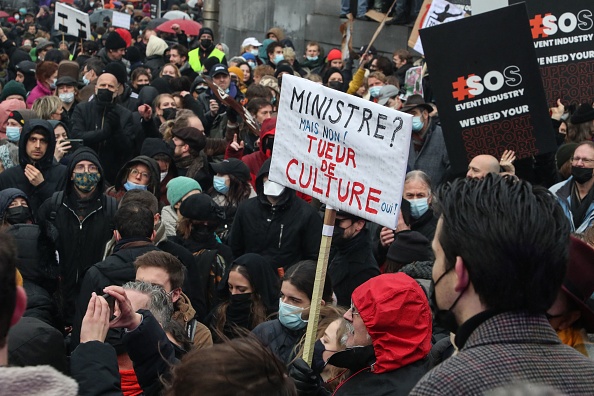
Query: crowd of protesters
x=147, y=251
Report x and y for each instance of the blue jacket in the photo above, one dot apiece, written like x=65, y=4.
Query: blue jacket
x=563, y=192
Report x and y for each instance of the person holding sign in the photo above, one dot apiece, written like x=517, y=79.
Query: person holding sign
x=427, y=150
x=576, y=194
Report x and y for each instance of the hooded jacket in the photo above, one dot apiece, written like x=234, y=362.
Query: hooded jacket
x=284, y=233
x=84, y=227
x=154, y=55
x=118, y=190
x=396, y=313
x=154, y=146
x=255, y=160
x=53, y=173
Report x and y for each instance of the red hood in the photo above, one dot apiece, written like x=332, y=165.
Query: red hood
x=396, y=312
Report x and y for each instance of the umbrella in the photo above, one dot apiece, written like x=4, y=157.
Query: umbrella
x=176, y=14
x=98, y=15
x=189, y=27
x=3, y=14
x=154, y=23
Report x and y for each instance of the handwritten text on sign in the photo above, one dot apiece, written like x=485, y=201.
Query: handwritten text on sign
x=348, y=152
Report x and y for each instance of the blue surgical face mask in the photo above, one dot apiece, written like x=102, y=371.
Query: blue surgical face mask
x=219, y=184
x=254, y=52
x=290, y=316
x=417, y=124
x=312, y=58
x=278, y=58
x=86, y=81
x=13, y=133
x=374, y=91
x=133, y=186
x=252, y=65
x=418, y=207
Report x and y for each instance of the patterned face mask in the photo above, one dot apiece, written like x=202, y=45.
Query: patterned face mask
x=86, y=181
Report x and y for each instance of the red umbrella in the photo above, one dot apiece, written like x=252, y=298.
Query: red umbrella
x=4, y=14
x=189, y=27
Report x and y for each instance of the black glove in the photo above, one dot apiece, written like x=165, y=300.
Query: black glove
x=232, y=115
x=306, y=381
x=112, y=121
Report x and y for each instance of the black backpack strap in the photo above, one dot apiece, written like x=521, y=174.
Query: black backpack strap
x=57, y=199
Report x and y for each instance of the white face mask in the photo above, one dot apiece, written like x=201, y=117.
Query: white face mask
x=164, y=175
x=273, y=189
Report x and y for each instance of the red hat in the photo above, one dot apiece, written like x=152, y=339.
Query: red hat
x=334, y=54
x=579, y=280
x=125, y=34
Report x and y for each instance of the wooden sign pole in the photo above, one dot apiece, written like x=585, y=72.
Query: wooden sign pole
x=316, y=298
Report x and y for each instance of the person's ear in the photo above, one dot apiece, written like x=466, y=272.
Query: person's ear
x=117, y=235
x=322, y=303
x=20, y=305
x=153, y=235
x=156, y=218
x=175, y=294
x=463, y=277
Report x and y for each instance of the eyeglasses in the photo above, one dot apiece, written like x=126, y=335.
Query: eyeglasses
x=135, y=172
x=354, y=310
x=81, y=168
x=586, y=161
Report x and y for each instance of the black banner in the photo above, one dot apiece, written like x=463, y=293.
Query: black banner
x=563, y=33
x=488, y=90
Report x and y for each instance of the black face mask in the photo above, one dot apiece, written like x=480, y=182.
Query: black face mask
x=206, y=43
x=337, y=85
x=104, y=96
x=244, y=300
x=17, y=215
x=444, y=317
x=317, y=361
x=581, y=175
x=203, y=233
x=169, y=113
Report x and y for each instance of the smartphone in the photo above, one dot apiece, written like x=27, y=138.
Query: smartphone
x=75, y=144
x=110, y=302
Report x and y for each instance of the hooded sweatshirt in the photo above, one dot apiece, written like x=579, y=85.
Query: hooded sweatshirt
x=53, y=173
x=154, y=186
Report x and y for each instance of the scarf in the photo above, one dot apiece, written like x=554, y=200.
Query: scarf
x=579, y=207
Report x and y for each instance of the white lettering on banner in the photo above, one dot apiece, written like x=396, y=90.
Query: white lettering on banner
x=347, y=152
x=69, y=20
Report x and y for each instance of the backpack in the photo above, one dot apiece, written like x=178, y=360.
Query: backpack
x=209, y=268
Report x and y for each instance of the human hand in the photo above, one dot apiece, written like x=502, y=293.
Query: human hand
x=145, y=111
x=175, y=27
x=236, y=146
x=507, y=159
x=62, y=149
x=386, y=236
x=557, y=112
x=112, y=119
x=95, y=324
x=306, y=381
x=183, y=94
x=34, y=175
x=214, y=107
x=126, y=318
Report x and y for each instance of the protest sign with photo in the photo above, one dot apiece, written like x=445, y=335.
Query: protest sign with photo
x=433, y=12
x=71, y=21
x=347, y=152
x=489, y=92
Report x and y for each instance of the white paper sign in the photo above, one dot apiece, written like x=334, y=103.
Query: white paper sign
x=480, y=6
x=440, y=12
x=347, y=152
x=72, y=21
x=121, y=20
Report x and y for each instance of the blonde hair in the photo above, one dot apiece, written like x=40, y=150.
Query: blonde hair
x=45, y=106
x=177, y=73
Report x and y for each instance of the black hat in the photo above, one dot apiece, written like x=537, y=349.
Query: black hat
x=584, y=113
x=114, y=42
x=218, y=69
x=283, y=68
x=232, y=166
x=347, y=215
x=26, y=67
x=192, y=137
x=409, y=246
x=206, y=30
x=201, y=207
x=118, y=70
x=564, y=153
x=13, y=88
x=414, y=101
x=66, y=80
x=371, y=50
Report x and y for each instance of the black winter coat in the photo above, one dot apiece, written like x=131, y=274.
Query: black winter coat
x=116, y=269
x=53, y=173
x=284, y=233
x=280, y=340
x=351, y=266
x=114, y=147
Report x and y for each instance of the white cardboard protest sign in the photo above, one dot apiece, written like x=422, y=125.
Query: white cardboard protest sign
x=71, y=21
x=347, y=152
x=121, y=19
x=480, y=6
x=440, y=12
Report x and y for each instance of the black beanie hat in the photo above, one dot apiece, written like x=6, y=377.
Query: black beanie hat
x=409, y=246
x=114, y=41
x=206, y=30
x=201, y=207
x=118, y=70
x=584, y=113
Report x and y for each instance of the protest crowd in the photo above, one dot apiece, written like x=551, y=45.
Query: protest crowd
x=145, y=250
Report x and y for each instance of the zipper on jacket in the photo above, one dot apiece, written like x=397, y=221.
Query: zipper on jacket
x=280, y=237
x=86, y=217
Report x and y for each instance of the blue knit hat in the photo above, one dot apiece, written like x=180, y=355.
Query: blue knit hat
x=180, y=186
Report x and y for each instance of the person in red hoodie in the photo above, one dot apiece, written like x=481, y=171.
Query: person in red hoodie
x=388, y=344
